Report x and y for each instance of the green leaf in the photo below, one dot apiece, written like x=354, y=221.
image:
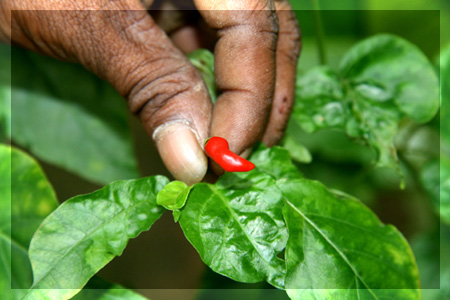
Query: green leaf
x=203, y=60
x=381, y=80
x=86, y=232
x=388, y=78
x=67, y=116
x=297, y=151
x=33, y=198
x=99, y=289
x=445, y=95
x=334, y=242
x=319, y=100
x=435, y=177
x=274, y=161
x=113, y=293
x=352, y=293
x=327, y=106
x=26, y=198
x=338, y=249
x=9, y=277
x=332, y=145
x=237, y=226
x=174, y=195
x=389, y=68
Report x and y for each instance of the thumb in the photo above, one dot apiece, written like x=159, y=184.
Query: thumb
x=169, y=96
x=119, y=41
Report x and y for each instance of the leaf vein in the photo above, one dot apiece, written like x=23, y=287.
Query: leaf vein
x=333, y=245
x=245, y=232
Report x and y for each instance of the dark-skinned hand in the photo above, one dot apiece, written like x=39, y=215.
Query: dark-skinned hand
x=258, y=43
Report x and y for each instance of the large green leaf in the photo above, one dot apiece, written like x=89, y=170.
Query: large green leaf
x=325, y=105
x=336, y=243
x=237, y=226
x=445, y=96
x=99, y=289
x=113, y=292
x=66, y=116
x=26, y=198
x=389, y=68
x=33, y=198
x=439, y=189
x=88, y=231
x=380, y=81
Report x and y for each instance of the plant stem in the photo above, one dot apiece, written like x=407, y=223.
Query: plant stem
x=319, y=32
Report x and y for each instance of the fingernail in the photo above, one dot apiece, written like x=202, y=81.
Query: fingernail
x=181, y=152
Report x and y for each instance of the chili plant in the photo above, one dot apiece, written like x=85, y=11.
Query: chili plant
x=271, y=224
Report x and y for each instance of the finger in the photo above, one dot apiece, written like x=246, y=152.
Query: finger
x=122, y=44
x=187, y=39
x=5, y=21
x=288, y=50
x=244, y=68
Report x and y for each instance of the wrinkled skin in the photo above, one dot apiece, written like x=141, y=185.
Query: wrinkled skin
x=258, y=43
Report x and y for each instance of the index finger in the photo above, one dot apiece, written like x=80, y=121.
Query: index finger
x=244, y=67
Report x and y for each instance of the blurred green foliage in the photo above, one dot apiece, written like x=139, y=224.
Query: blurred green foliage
x=65, y=115
x=418, y=21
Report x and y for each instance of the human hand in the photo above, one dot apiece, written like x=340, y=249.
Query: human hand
x=255, y=62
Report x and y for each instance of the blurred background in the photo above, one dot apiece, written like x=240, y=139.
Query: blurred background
x=161, y=264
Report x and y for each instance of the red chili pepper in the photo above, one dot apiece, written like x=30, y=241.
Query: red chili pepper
x=218, y=149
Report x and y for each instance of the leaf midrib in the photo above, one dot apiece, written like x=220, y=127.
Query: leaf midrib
x=341, y=254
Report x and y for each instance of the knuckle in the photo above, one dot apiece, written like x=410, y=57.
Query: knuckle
x=251, y=21
x=163, y=89
x=157, y=85
x=289, y=28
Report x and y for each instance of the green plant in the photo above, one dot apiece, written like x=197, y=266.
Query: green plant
x=271, y=224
